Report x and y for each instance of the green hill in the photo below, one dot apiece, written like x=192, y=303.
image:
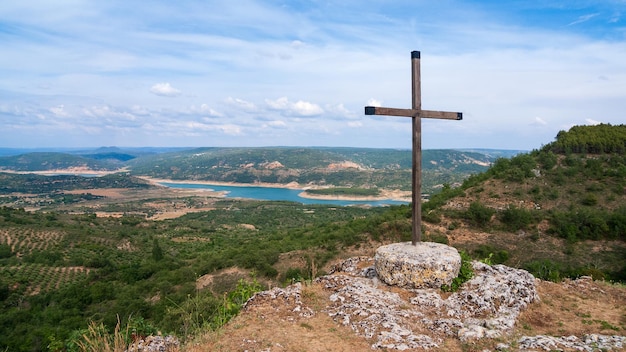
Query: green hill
x=44, y=161
x=547, y=207
x=340, y=167
x=38, y=184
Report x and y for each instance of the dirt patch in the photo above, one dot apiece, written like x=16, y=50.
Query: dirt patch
x=222, y=280
x=274, y=327
x=576, y=308
x=114, y=193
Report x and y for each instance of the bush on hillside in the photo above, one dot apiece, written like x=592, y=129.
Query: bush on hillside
x=479, y=214
x=514, y=218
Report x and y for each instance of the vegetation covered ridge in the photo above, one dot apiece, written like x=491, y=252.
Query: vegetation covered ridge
x=39, y=184
x=324, y=167
x=598, y=139
x=551, y=199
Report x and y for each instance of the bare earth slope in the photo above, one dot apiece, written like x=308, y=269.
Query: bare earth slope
x=350, y=310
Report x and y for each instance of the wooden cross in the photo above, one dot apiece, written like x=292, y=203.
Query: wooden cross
x=416, y=113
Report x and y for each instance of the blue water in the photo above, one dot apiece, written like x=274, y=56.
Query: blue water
x=270, y=193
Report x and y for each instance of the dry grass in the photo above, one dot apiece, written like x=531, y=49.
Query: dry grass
x=97, y=339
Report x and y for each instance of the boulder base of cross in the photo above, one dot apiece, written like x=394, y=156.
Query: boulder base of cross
x=423, y=265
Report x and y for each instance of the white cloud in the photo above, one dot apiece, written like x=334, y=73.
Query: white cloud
x=341, y=111
x=203, y=109
x=276, y=123
x=583, y=18
x=592, y=122
x=165, y=90
x=242, y=104
x=78, y=65
x=305, y=108
x=107, y=112
x=374, y=102
x=299, y=108
x=59, y=111
x=139, y=110
x=230, y=129
x=278, y=104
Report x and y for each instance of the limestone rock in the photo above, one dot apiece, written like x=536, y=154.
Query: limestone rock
x=487, y=306
x=425, y=265
x=591, y=342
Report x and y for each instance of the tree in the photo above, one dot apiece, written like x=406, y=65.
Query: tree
x=157, y=252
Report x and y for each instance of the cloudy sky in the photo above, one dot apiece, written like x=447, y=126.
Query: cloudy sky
x=193, y=73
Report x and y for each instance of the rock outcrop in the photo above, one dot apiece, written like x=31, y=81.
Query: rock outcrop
x=423, y=265
x=485, y=307
x=393, y=318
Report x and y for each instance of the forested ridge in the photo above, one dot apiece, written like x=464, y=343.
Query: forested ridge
x=598, y=139
x=551, y=192
x=340, y=167
x=32, y=183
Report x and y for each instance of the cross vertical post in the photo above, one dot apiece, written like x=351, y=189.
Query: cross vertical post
x=416, y=188
x=416, y=114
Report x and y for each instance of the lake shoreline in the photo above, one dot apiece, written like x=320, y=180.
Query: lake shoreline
x=395, y=195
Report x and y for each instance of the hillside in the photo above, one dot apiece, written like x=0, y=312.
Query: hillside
x=558, y=213
x=558, y=202
x=41, y=161
x=339, y=167
x=51, y=159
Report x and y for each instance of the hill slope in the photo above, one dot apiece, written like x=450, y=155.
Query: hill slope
x=552, y=211
x=551, y=198
x=41, y=161
x=339, y=167
x=343, y=167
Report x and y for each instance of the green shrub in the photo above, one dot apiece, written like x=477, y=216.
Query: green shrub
x=589, y=199
x=5, y=251
x=545, y=269
x=490, y=255
x=466, y=273
x=479, y=214
x=437, y=238
x=583, y=224
x=514, y=218
x=547, y=159
x=432, y=217
x=294, y=275
x=4, y=290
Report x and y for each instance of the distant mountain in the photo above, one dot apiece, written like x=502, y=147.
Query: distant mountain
x=112, y=155
x=38, y=184
x=45, y=161
x=19, y=151
x=99, y=159
x=136, y=151
x=321, y=166
x=346, y=167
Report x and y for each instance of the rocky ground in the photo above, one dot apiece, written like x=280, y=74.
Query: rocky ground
x=499, y=309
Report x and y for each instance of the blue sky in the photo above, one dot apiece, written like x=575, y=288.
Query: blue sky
x=298, y=73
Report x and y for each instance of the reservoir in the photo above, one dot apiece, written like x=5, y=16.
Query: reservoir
x=279, y=194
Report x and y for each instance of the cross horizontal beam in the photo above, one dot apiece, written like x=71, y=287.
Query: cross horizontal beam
x=444, y=115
